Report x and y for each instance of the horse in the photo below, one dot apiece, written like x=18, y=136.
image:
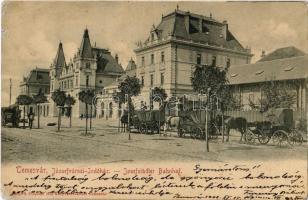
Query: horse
x=237, y=123
x=124, y=123
x=172, y=122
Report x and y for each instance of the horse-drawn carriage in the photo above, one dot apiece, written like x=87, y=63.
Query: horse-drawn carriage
x=278, y=126
x=11, y=115
x=193, y=123
x=148, y=121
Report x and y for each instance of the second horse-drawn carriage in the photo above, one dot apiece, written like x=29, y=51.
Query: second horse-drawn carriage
x=277, y=125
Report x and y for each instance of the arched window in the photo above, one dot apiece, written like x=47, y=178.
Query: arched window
x=102, y=109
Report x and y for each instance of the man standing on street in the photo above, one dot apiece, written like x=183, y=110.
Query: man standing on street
x=31, y=118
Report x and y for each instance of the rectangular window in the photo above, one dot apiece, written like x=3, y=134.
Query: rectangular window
x=64, y=84
x=152, y=80
x=214, y=61
x=152, y=59
x=142, y=80
x=87, y=81
x=162, y=57
x=72, y=84
x=228, y=62
x=162, y=78
x=88, y=65
x=76, y=82
x=142, y=61
x=198, y=59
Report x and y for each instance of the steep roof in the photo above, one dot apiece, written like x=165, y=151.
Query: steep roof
x=280, y=69
x=285, y=52
x=59, y=60
x=85, y=47
x=106, y=63
x=131, y=65
x=197, y=28
x=38, y=76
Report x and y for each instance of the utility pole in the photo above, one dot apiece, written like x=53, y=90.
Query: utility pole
x=10, y=91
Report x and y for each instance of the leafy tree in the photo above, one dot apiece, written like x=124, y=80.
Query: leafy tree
x=158, y=95
x=275, y=95
x=129, y=87
x=70, y=101
x=38, y=99
x=212, y=80
x=24, y=100
x=59, y=97
x=205, y=77
x=86, y=96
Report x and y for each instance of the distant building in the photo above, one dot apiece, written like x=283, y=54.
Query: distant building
x=247, y=80
x=106, y=106
x=181, y=41
x=91, y=68
x=36, y=81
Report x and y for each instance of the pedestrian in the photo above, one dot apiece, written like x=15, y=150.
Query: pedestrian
x=31, y=118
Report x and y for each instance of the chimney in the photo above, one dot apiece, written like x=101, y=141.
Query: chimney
x=224, y=29
x=117, y=58
x=263, y=54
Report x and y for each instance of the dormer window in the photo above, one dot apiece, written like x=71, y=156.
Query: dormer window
x=152, y=36
x=259, y=72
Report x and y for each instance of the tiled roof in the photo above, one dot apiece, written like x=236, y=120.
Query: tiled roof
x=285, y=52
x=198, y=28
x=59, y=60
x=131, y=65
x=280, y=69
x=85, y=47
x=106, y=63
x=39, y=76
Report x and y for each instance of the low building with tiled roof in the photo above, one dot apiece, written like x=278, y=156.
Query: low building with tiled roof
x=281, y=53
x=247, y=80
x=180, y=41
x=91, y=68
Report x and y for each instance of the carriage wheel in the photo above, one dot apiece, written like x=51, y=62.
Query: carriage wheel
x=262, y=136
x=143, y=129
x=198, y=133
x=193, y=133
x=280, y=138
x=154, y=128
x=181, y=132
x=250, y=137
x=296, y=138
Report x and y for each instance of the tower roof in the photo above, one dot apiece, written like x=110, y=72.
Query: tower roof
x=60, y=58
x=85, y=47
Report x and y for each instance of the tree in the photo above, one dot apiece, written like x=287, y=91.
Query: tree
x=24, y=100
x=212, y=80
x=275, y=95
x=129, y=87
x=86, y=96
x=70, y=101
x=158, y=95
x=38, y=99
x=59, y=97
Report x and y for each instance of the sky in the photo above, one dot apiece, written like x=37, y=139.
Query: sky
x=31, y=31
